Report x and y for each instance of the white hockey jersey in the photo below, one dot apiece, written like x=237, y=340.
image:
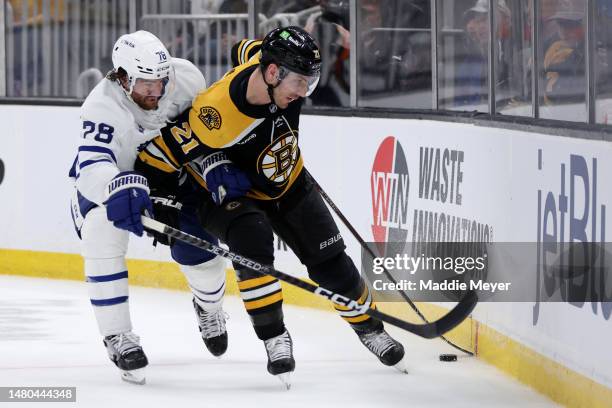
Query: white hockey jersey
x=114, y=129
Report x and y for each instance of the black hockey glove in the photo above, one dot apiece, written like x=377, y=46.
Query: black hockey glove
x=166, y=209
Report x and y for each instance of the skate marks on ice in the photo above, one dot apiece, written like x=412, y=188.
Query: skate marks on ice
x=25, y=319
x=48, y=337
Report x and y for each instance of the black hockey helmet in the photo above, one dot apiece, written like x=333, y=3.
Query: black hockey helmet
x=293, y=48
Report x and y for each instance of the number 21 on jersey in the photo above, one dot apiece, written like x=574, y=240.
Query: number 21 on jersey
x=184, y=137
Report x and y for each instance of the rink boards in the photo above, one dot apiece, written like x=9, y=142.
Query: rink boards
x=497, y=184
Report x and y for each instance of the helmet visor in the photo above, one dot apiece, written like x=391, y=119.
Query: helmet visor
x=150, y=87
x=154, y=87
x=301, y=84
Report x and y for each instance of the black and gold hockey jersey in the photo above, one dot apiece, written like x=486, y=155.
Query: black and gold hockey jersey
x=261, y=140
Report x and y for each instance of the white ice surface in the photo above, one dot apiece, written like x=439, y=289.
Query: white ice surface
x=48, y=337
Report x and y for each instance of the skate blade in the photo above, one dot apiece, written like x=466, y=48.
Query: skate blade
x=134, y=376
x=401, y=366
x=285, y=378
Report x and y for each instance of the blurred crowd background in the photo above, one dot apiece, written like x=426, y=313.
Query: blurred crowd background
x=457, y=55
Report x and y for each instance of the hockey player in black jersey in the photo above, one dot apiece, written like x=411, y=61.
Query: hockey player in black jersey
x=239, y=141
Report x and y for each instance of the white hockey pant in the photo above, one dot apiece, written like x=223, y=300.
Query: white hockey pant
x=104, y=248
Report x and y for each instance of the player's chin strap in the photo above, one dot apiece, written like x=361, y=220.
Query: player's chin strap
x=369, y=250
x=271, y=90
x=270, y=86
x=428, y=330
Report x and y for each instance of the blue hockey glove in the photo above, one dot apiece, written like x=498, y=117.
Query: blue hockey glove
x=127, y=198
x=224, y=180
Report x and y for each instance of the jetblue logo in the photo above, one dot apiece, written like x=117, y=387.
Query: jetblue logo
x=569, y=216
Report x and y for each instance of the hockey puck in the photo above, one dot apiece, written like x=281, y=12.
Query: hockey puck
x=448, y=357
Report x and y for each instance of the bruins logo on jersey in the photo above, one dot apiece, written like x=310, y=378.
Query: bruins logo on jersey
x=278, y=160
x=210, y=117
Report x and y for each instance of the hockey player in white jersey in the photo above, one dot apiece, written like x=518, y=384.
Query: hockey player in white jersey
x=146, y=89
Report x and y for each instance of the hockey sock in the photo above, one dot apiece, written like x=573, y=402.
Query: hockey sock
x=263, y=299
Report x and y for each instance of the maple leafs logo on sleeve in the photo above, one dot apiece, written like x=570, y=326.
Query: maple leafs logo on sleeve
x=210, y=117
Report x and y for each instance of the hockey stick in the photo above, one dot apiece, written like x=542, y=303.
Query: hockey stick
x=428, y=330
x=467, y=303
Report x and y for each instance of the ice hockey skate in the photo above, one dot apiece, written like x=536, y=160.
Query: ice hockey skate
x=212, y=329
x=124, y=350
x=388, y=350
x=280, y=357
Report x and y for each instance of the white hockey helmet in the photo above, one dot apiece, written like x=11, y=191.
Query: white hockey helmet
x=146, y=61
